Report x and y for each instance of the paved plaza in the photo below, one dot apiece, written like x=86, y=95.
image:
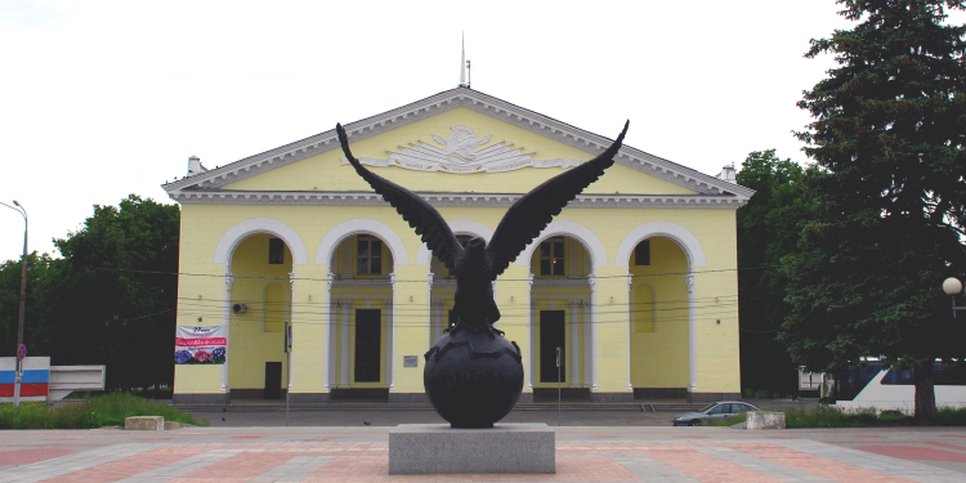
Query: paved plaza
x=583, y=454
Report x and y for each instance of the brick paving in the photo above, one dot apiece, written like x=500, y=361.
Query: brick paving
x=583, y=454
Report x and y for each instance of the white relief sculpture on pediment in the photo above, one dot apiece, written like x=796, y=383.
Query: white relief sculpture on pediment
x=463, y=152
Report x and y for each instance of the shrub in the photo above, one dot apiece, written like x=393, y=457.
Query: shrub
x=106, y=410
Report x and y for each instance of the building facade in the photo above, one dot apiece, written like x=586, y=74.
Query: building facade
x=317, y=287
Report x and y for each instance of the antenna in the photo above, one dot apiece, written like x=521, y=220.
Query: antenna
x=464, y=64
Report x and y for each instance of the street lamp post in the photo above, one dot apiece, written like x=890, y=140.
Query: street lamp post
x=21, y=349
x=952, y=286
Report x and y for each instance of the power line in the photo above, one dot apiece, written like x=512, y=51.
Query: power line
x=336, y=278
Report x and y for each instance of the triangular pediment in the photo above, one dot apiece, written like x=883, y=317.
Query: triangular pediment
x=459, y=144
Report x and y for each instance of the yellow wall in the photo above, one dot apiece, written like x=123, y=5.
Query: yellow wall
x=257, y=335
x=624, y=357
x=659, y=350
x=327, y=171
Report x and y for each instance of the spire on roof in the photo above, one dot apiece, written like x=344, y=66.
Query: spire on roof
x=464, y=65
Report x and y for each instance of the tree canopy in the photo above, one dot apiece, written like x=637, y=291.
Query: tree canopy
x=767, y=231
x=888, y=134
x=110, y=300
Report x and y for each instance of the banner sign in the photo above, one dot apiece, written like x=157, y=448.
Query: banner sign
x=200, y=345
x=34, y=385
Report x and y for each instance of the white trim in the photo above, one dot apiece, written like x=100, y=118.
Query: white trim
x=575, y=378
x=331, y=240
x=586, y=236
x=337, y=198
x=226, y=321
x=692, y=336
x=236, y=234
x=688, y=242
x=459, y=227
x=442, y=102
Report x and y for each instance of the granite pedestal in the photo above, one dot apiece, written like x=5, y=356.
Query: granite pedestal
x=440, y=449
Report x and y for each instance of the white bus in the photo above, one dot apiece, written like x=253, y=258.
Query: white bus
x=874, y=386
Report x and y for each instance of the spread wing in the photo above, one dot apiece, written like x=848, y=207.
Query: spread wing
x=420, y=215
x=533, y=212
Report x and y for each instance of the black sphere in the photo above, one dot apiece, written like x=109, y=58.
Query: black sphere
x=473, y=377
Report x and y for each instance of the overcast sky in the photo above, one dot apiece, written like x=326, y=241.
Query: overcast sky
x=100, y=99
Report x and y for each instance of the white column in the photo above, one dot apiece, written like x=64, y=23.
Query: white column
x=573, y=367
x=289, y=331
x=433, y=311
x=591, y=309
x=328, y=357
x=346, y=307
x=226, y=320
x=390, y=320
x=630, y=328
x=530, y=333
x=692, y=337
x=589, y=353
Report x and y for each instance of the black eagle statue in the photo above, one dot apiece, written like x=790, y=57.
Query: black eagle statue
x=474, y=377
x=479, y=263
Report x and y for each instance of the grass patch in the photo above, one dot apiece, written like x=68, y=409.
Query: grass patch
x=96, y=412
x=832, y=417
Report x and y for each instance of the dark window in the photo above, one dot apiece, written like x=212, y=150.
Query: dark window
x=721, y=409
x=369, y=256
x=642, y=253
x=943, y=375
x=368, y=345
x=276, y=251
x=552, y=257
x=551, y=337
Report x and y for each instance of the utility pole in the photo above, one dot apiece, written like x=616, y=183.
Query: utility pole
x=21, y=349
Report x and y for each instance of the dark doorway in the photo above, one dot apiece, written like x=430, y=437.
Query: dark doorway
x=552, y=337
x=273, y=380
x=368, y=345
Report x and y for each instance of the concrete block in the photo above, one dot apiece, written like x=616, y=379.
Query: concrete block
x=144, y=423
x=765, y=420
x=504, y=448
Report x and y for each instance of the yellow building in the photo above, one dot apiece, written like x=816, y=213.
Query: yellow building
x=317, y=287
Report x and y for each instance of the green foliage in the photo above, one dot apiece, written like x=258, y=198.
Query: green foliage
x=107, y=410
x=766, y=232
x=41, y=272
x=110, y=300
x=888, y=135
x=833, y=417
x=119, y=293
x=950, y=417
x=828, y=417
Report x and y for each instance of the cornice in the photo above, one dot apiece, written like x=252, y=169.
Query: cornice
x=321, y=198
x=444, y=101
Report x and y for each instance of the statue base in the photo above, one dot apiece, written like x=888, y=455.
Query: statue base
x=428, y=449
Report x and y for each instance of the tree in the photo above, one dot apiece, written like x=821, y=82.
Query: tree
x=888, y=132
x=41, y=270
x=767, y=230
x=118, y=292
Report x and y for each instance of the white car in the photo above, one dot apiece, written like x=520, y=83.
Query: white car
x=718, y=410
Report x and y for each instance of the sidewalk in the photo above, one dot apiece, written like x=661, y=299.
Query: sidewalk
x=584, y=454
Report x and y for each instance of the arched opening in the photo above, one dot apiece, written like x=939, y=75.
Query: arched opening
x=659, y=314
x=360, y=332
x=260, y=310
x=561, y=319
